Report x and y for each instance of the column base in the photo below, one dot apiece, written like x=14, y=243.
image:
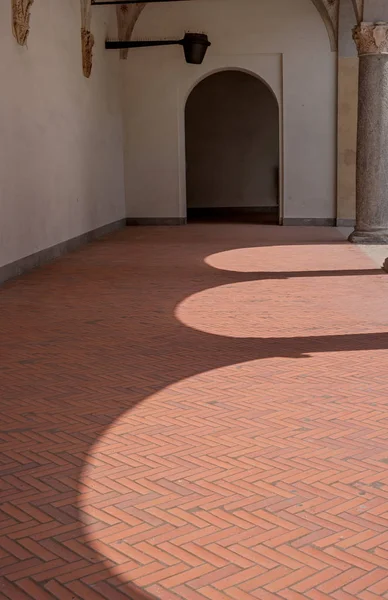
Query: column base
x=374, y=238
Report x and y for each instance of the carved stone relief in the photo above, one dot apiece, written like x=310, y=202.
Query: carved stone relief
x=21, y=20
x=87, y=41
x=371, y=38
x=87, y=38
x=127, y=15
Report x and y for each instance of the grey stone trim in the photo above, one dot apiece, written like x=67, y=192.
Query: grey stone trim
x=49, y=254
x=156, y=221
x=309, y=222
x=346, y=222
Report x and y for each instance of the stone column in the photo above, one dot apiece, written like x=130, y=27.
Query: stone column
x=372, y=136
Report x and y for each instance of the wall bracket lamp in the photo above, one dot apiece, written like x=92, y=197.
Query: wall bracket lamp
x=195, y=46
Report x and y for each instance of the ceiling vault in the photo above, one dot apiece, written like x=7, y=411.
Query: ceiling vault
x=128, y=14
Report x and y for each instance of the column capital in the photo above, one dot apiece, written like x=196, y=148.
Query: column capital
x=371, y=38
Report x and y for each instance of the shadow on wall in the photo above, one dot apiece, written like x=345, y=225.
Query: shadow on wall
x=85, y=341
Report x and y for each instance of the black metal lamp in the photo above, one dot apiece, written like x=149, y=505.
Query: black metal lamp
x=195, y=46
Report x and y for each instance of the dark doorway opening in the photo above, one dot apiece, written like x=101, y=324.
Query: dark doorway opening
x=232, y=150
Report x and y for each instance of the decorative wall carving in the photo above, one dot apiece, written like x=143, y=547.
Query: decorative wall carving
x=87, y=38
x=127, y=15
x=87, y=41
x=21, y=19
x=371, y=38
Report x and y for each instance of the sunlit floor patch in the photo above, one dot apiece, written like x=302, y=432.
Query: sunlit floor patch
x=304, y=258
x=304, y=306
x=238, y=480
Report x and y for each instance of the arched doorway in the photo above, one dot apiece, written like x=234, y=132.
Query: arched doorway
x=232, y=149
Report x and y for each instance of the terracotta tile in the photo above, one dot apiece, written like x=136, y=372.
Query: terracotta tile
x=196, y=413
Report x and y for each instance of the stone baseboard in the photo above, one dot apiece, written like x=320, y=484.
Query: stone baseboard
x=309, y=222
x=49, y=254
x=156, y=221
x=346, y=222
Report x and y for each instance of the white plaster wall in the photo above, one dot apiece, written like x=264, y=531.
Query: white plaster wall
x=375, y=10
x=283, y=42
x=61, y=165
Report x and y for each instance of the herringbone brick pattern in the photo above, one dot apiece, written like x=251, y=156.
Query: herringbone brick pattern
x=196, y=413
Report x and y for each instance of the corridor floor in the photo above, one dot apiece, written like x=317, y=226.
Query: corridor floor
x=196, y=413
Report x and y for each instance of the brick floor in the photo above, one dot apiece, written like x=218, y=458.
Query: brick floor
x=196, y=413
